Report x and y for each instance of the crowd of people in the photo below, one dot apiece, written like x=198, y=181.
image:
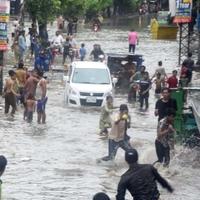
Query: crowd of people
x=44, y=54
x=28, y=89
x=140, y=180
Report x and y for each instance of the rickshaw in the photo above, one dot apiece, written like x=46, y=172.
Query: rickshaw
x=117, y=65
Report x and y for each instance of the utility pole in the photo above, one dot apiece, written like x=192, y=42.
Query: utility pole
x=183, y=18
x=1, y=72
x=21, y=17
x=198, y=18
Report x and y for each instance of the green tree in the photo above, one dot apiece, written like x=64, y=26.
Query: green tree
x=71, y=8
x=95, y=6
x=125, y=6
x=42, y=11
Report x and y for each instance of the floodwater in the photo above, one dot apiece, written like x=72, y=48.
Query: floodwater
x=58, y=160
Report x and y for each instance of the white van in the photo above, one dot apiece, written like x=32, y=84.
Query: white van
x=88, y=84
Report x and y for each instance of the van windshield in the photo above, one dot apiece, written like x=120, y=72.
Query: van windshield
x=91, y=76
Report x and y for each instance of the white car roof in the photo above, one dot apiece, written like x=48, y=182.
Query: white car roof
x=89, y=64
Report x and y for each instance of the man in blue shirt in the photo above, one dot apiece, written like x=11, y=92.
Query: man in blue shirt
x=22, y=45
x=82, y=52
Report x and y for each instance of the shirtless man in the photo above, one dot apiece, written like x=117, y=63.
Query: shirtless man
x=30, y=108
x=21, y=77
x=41, y=96
x=30, y=88
x=31, y=84
x=10, y=93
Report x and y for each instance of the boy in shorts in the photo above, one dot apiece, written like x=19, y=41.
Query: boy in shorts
x=30, y=107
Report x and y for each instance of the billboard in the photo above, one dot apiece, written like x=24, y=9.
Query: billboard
x=4, y=18
x=183, y=11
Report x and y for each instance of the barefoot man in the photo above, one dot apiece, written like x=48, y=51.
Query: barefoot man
x=41, y=96
x=10, y=93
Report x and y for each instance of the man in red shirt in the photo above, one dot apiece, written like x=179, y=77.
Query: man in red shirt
x=172, y=80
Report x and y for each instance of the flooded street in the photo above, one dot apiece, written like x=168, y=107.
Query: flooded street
x=58, y=160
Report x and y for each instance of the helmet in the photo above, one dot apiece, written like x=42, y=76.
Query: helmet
x=131, y=156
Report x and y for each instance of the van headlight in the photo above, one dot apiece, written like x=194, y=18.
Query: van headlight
x=72, y=91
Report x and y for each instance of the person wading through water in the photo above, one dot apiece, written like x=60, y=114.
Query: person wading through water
x=140, y=180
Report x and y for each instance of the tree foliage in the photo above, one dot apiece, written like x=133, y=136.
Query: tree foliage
x=125, y=6
x=46, y=10
x=71, y=8
x=93, y=7
x=42, y=10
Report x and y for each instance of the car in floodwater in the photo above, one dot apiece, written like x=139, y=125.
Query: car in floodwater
x=87, y=84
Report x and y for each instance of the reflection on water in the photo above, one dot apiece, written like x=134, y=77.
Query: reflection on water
x=136, y=22
x=59, y=160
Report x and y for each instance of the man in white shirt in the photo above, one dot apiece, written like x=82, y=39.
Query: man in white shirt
x=160, y=69
x=57, y=41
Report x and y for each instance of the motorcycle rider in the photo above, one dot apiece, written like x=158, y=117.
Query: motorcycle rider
x=96, y=26
x=96, y=52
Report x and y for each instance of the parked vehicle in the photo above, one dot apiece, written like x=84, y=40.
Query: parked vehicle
x=117, y=65
x=87, y=84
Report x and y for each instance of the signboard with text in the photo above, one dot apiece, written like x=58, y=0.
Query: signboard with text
x=183, y=11
x=4, y=18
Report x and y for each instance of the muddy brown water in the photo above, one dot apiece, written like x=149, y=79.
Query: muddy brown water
x=58, y=160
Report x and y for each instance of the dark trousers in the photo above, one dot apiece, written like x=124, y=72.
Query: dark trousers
x=10, y=100
x=132, y=94
x=21, y=99
x=29, y=116
x=65, y=57
x=158, y=90
x=113, y=147
x=132, y=48
x=189, y=75
x=163, y=153
x=82, y=58
x=144, y=98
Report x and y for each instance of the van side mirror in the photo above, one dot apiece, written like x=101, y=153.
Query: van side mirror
x=66, y=78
